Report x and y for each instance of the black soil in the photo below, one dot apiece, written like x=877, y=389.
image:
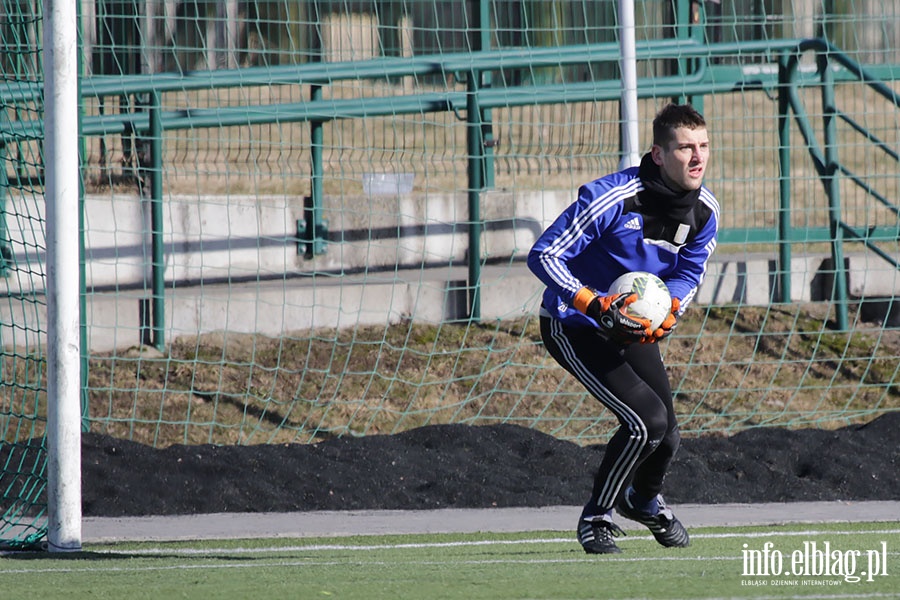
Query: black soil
x=459, y=466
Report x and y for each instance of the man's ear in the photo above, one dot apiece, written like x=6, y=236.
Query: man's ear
x=656, y=154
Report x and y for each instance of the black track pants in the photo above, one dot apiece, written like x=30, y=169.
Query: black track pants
x=632, y=383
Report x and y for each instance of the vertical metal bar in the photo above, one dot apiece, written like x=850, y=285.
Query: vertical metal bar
x=19, y=23
x=487, y=128
x=833, y=190
x=628, y=103
x=697, y=32
x=82, y=287
x=4, y=268
x=63, y=431
x=316, y=151
x=4, y=234
x=82, y=277
x=313, y=208
x=156, y=223
x=785, y=79
x=312, y=230
x=475, y=147
x=682, y=18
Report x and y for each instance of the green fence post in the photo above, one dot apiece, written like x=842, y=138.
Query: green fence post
x=682, y=19
x=784, y=182
x=833, y=190
x=5, y=251
x=693, y=28
x=475, y=147
x=312, y=230
x=487, y=127
x=156, y=223
x=82, y=276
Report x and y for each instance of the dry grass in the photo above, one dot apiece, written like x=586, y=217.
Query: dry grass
x=731, y=368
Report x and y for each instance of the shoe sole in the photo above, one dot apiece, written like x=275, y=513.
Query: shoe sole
x=613, y=550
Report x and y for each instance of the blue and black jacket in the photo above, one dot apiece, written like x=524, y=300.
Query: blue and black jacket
x=626, y=221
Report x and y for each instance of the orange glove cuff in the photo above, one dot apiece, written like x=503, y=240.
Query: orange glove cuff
x=583, y=299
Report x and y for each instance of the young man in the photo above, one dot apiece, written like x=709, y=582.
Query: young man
x=659, y=218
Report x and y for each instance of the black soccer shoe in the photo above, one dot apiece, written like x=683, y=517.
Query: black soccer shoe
x=667, y=530
x=596, y=535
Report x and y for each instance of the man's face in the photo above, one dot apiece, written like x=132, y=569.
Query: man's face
x=683, y=161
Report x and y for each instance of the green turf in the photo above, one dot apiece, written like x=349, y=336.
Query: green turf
x=528, y=565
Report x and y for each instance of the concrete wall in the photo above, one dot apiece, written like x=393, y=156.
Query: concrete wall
x=232, y=264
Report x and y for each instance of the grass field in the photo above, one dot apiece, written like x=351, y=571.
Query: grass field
x=842, y=560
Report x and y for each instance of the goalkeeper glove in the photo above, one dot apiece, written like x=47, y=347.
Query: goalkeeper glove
x=609, y=313
x=668, y=325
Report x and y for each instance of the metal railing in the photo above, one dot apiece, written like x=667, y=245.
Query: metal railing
x=828, y=164
x=475, y=103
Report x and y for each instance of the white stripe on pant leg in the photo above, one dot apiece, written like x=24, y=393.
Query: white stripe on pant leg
x=625, y=414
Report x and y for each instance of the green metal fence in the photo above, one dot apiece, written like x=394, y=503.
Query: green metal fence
x=786, y=80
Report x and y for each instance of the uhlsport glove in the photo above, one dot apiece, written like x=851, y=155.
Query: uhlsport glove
x=668, y=325
x=609, y=313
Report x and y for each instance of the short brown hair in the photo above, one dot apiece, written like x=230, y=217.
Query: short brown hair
x=671, y=117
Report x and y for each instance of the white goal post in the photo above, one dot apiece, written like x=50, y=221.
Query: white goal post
x=61, y=196
x=631, y=155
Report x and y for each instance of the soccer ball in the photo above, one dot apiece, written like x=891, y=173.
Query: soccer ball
x=653, y=299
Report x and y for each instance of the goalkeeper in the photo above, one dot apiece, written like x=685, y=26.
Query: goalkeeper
x=657, y=217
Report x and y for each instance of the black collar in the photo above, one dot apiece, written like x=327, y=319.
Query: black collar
x=658, y=198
